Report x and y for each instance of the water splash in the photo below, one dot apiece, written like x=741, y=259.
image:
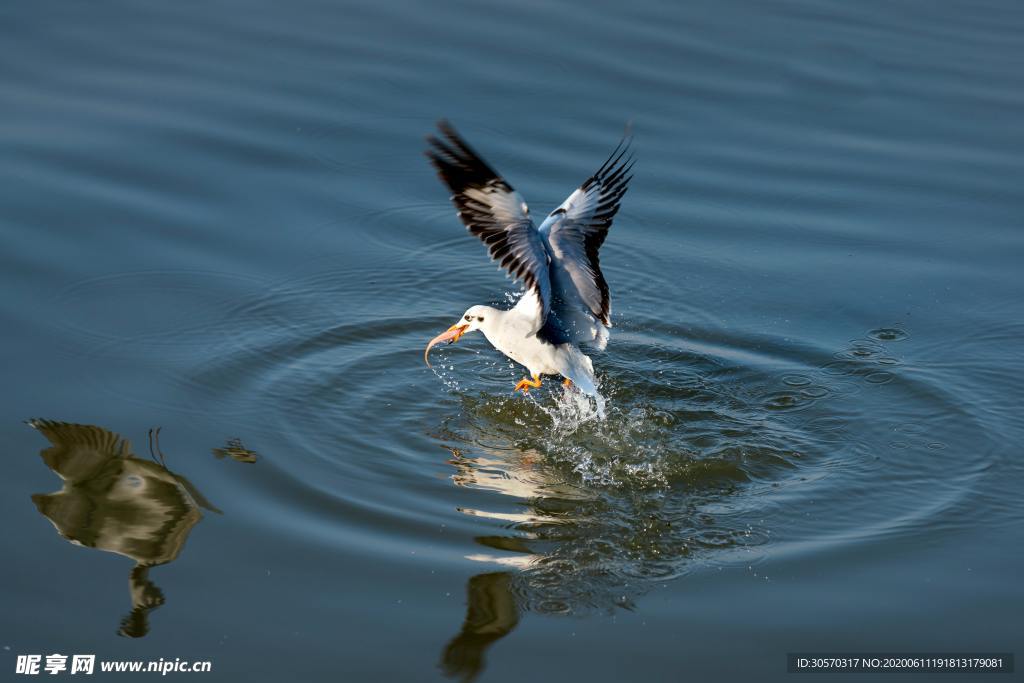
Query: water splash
x=570, y=409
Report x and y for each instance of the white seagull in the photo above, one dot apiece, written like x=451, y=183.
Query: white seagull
x=566, y=302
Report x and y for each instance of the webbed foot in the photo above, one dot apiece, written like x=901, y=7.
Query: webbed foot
x=526, y=384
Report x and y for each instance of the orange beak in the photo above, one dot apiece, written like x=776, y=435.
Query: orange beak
x=451, y=335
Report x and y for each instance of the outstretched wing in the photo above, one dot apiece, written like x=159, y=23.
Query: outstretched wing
x=79, y=451
x=494, y=212
x=575, y=232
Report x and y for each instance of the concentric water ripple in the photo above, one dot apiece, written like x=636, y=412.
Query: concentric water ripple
x=707, y=433
x=709, y=438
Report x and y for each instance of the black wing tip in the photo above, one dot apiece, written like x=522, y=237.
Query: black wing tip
x=614, y=174
x=458, y=145
x=446, y=128
x=459, y=165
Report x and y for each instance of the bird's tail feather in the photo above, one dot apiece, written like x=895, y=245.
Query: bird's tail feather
x=580, y=369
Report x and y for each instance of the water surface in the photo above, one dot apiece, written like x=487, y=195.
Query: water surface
x=217, y=221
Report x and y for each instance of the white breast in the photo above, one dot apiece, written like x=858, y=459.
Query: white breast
x=512, y=334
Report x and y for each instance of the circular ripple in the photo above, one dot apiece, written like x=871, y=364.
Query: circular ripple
x=706, y=435
x=711, y=439
x=815, y=392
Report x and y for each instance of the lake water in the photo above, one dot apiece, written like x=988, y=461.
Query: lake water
x=217, y=221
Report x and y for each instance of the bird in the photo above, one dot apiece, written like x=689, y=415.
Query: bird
x=566, y=302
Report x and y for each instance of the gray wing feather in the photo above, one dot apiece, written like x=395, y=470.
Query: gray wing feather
x=494, y=212
x=574, y=233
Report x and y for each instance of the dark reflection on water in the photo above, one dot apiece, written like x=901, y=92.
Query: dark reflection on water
x=491, y=614
x=116, y=502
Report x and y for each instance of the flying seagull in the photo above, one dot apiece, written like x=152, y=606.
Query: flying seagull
x=566, y=303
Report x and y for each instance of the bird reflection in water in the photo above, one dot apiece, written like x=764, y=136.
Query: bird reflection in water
x=494, y=606
x=235, y=450
x=563, y=544
x=116, y=502
x=491, y=615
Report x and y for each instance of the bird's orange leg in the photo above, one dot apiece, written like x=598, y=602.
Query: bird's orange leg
x=526, y=384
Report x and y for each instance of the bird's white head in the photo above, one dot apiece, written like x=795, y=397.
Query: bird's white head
x=475, y=318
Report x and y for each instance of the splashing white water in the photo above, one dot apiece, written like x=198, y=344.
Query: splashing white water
x=572, y=408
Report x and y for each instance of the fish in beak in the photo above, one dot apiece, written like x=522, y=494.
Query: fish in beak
x=451, y=335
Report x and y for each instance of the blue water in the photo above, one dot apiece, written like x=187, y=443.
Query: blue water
x=217, y=221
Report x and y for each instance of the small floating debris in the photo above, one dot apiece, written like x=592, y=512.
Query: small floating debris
x=235, y=450
x=888, y=334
